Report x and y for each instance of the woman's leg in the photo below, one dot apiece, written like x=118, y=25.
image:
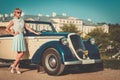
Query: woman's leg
x=17, y=69
x=15, y=66
x=18, y=57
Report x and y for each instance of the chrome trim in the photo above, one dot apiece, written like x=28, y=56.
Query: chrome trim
x=72, y=48
x=43, y=37
x=87, y=61
x=1, y=38
x=72, y=62
x=36, y=37
x=91, y=61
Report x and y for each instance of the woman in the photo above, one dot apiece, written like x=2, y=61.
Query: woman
x=18, y=26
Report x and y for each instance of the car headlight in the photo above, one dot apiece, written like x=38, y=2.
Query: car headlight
x=64, y=41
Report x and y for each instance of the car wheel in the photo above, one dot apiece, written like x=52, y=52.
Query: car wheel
x=52, y=62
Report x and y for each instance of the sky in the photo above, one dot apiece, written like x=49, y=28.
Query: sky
x=98, y=11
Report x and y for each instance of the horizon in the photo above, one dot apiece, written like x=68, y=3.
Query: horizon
x=98, y=11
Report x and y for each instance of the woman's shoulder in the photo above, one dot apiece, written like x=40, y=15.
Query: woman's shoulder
x=11, y=21
x=14, y=19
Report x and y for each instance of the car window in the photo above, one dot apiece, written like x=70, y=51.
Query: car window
x=40, y=27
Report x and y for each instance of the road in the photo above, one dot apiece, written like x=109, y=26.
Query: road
x=30, y=73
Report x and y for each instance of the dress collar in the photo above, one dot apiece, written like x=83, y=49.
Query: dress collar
x=19, y=19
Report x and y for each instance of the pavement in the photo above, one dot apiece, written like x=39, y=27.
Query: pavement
x=30, y=73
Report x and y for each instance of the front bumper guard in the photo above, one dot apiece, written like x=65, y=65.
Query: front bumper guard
x=87, y=61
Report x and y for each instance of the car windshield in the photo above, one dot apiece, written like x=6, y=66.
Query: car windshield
x=41, y=27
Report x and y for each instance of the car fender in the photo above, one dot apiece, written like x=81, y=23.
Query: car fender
x=37, y=57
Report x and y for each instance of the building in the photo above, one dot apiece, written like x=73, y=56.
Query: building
x=60, y=21
x=84, y=26
x=89, y=26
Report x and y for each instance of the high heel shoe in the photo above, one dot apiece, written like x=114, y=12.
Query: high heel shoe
x=12, y=69
x=18, y=71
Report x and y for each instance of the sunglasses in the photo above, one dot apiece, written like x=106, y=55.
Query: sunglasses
x=19, y=12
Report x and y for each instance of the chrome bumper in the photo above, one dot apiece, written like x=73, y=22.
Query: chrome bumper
x=87, y=61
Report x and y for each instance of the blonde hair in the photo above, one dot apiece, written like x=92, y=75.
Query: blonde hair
x=16, y=10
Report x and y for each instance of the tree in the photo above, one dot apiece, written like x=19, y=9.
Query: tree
x=115, y=35
x=102, y=38
x=70, y=28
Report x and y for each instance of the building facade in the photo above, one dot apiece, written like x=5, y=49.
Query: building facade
x=59, y=22
x=84, y=26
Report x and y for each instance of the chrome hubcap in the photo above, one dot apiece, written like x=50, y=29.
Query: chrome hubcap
x=52, y=62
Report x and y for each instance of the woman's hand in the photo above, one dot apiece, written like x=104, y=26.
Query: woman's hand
x=16, y=33
x=31, y=30
x=37, y=33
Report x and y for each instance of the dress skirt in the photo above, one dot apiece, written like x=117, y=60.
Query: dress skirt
x=19, y=43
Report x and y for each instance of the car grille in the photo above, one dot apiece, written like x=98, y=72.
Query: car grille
x=77, y=45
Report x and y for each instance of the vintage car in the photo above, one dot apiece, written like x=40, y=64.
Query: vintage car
x=53, y=50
